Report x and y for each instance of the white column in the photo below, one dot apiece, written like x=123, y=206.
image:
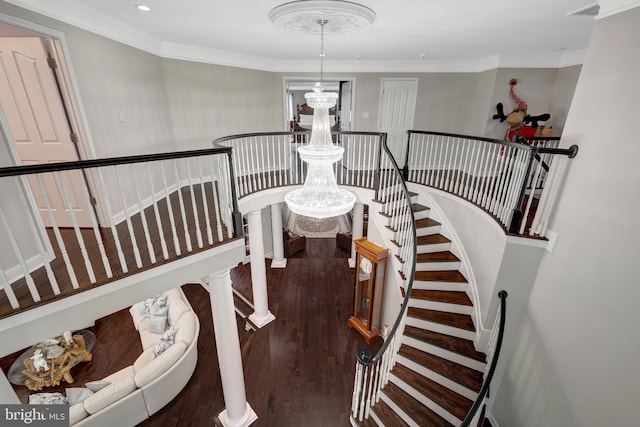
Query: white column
x=261, y=314
x=356, y=232
x=237, y=412
x=279, y=261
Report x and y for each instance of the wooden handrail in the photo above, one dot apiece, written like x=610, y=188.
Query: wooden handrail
x=494, y=362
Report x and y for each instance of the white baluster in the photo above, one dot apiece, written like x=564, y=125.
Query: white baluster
x=143, y=216
x=76, y=229
x=114, y=231
x=214, y=192
x=172, y=221
x=8, y=290
x=125, y=209
x=194, y=207
x=58, y=236
x=205, y=206
x=96, y=231
x=187, y=235
x=356, y=390
x=45, y=259
x=156, y=212
x=363, y=398
x=18, y=253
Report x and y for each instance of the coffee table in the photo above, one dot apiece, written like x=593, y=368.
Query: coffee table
x=62, y=357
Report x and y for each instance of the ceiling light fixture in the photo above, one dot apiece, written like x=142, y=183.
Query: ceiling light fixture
x=143, y=8
x=320, y=196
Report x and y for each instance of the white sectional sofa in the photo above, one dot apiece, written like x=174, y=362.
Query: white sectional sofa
x=139, y=391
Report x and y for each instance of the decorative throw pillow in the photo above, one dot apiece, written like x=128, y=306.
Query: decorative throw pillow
x=47, y=399
x=150, y=303
x=166, y=341
x=157, y=324
x=77, y=395
x=169, y=335
x=96, y=386
x=160, y=348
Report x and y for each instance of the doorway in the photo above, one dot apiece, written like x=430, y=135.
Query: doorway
x=41, y=126
x=398, y=98
x=296, y=87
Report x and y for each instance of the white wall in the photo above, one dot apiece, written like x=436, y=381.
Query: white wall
x=577, y=352
x=209, y=101
x=545, y=90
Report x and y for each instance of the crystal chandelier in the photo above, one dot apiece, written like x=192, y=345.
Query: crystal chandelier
x=320, y=196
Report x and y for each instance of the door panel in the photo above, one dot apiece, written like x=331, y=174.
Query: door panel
x=398, y=107
x=34, y=110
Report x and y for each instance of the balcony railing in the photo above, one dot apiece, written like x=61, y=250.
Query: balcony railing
x=141, y=211
x=514, y=182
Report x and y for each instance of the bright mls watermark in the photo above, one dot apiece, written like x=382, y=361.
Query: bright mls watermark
x=34, y=415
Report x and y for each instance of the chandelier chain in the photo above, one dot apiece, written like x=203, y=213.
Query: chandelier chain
x=322, y=23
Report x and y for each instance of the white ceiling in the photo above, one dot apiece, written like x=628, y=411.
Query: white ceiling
x=455, y=35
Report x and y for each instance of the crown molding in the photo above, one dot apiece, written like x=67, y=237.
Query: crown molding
x=75, y=13
x=613, y=7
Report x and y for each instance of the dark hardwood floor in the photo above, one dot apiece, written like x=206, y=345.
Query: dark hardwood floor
x=298, y=370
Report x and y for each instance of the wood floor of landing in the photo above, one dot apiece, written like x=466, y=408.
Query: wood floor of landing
x=187, y=224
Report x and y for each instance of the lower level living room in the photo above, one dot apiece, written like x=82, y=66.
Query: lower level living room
x=298, y=369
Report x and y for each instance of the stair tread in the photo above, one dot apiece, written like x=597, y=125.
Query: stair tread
x=437, y=257
x=411, y=406
x=440, y=276
x=450, y=297
x=447, y=399
x=426, y=222
x=387, y=416
x=468, y=377
x=432, y=239
x=460, y=321
x=456, y=345
x=416, y=208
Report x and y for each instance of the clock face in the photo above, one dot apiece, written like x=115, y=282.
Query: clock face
x=365, y=265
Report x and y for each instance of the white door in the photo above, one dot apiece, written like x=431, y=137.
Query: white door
x=34, y=110
x=345, y=105
x=397, y=112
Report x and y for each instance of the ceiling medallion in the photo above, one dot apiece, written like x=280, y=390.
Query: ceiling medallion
x=302, y=16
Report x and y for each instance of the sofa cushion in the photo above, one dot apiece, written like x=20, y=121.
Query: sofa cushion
x=96, y=385
x=177, y=307
x=148, y=339
x=175, y=293
x=143, y=360
x=137, y=314
x=120, y=375
x=108, y=395
x=147, y=371
x=77, y=413
x=77, y=394
x=186, y=328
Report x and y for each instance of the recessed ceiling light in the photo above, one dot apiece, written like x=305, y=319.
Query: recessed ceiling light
x=143, y=8
x=423, y=55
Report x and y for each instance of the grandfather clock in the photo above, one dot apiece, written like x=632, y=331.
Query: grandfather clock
x=371, y=270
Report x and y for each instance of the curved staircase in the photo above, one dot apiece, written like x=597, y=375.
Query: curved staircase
x=437, y=373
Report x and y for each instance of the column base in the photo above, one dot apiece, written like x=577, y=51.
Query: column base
x=279, y=264
x=352, y=262
x=261, y=321
x=247, y=419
